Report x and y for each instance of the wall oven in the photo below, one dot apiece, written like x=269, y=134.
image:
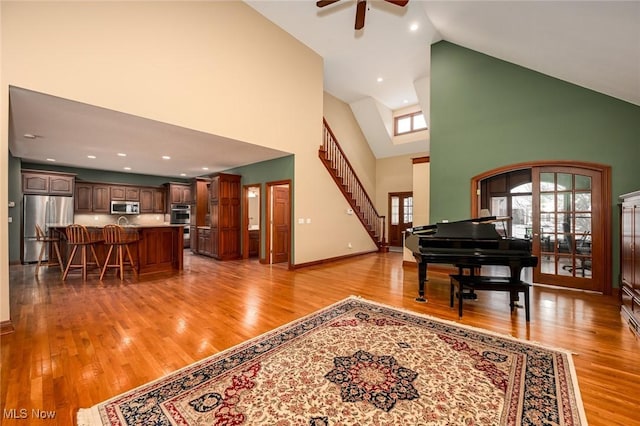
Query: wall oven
x=180, y=215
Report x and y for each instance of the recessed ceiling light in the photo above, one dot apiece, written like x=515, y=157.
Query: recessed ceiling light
x=205, y=168
x=414, y=27
x=91, y=156
x=405, y=101
x=29, y=136
x=122, y=154
x=183, y=174
x=127, y=168
x=166, y=157
x=51, y=159
x=380, y=79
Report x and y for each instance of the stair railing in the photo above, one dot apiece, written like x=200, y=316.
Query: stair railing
x=345, y=177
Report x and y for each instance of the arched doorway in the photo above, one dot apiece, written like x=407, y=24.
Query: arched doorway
x=565, y=211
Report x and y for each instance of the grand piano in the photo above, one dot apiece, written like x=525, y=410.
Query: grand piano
x=468, y=244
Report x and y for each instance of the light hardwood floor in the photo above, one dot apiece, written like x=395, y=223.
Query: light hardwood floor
x=78, y=343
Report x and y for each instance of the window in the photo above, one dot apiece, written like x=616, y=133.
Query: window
x=409, y=123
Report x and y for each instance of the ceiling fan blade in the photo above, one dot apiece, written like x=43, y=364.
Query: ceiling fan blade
x=323, y=3
x=401, y=3
x=360, y=12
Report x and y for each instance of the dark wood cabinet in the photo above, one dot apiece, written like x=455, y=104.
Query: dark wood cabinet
x=92, y=198
x=152, y=200
x=125, y=193
x=83, y=201
x=630, y=259
x=254, y=243
x=101, y=199
x=204, y=240
x=36, y=182
x=225, y=196
x=200, y=194
x=180, y=193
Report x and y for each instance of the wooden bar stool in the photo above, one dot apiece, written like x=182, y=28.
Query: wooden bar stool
x=116, y=237
x=78, y=236
x=55, y=243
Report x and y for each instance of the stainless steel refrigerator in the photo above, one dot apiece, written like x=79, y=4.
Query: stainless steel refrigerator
x=44, y=210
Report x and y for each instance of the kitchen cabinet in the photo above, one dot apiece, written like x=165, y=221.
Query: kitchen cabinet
x=180, y=193
x=125, y=193
x=200, y=194
x=224, y=198
x=83, y=201
x=630, y=259
x=49, y=183
x=92, y=198
x=101, y=198
x=204, y=240
x=152, y=200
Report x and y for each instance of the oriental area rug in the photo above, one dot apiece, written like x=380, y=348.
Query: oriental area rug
x=361, y=363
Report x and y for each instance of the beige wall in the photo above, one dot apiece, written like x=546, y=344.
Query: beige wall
x=202, y=65
x=4, y=199
x=349, y=235
x=393, y=174
x=421, y=199
x=345, y=127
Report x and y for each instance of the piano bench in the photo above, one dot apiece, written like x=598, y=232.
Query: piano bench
x=481, y=282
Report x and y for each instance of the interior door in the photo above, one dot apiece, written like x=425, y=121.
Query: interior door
x=400, y=216
x=280, y=223
x=567, y=227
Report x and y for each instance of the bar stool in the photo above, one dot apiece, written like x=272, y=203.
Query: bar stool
x=116, y=237
x=45, y=240
x=78, y=236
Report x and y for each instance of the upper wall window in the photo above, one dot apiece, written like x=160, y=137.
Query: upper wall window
x=409, y=123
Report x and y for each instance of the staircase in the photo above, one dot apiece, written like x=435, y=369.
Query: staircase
x=340, y=169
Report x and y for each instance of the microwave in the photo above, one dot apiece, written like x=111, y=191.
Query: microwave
x=125, y=207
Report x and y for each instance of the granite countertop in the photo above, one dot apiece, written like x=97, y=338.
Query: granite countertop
x=130, y=226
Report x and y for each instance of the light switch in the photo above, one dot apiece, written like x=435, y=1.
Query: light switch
x=10, y=219
x=308, y=220
x=301, y=221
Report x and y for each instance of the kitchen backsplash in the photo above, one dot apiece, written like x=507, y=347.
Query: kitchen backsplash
x=103, y=219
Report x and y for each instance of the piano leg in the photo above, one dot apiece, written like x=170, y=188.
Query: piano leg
x=422, y=277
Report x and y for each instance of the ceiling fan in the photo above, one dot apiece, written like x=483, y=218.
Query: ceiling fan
x=361, y=8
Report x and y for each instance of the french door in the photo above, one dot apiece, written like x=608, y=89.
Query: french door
x=564, y=207
x=400, y=216
x=567, y=227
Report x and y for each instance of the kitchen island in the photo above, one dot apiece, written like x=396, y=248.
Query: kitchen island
x=155, y=248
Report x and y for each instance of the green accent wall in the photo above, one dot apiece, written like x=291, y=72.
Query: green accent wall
x=487, y=113
x=261, y=173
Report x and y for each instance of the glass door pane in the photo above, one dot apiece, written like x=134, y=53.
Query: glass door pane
x=564, y=221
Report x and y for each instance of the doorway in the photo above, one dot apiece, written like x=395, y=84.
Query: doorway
x=251, y=228
x=400, y=216
x=563, y=208
x=278, y=239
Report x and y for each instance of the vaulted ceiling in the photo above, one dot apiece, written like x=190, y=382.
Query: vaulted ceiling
x=593, y=44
